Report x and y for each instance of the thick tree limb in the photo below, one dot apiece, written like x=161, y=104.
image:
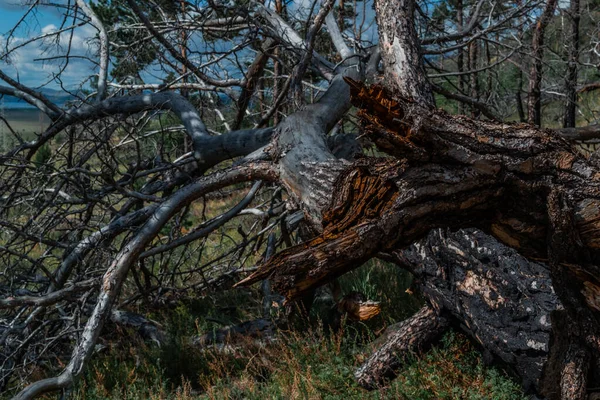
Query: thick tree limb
x=457, y=172
x=127, y=105
x=51, y=298
x=411, y=336
x=565, y=373
x=336, y=37
x=497, y=297
x=402, y=59
x=573, y=380
x=534, y=102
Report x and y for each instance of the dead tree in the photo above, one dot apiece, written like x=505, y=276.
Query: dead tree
x=524, y=186
x=485, y=289
x=534, y=102
x=574, y=13
x=528, y=188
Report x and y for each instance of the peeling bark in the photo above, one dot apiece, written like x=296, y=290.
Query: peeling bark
x=402, y=59
x=565, y=373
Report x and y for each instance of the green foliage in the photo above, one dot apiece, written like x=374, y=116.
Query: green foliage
x=135, y=53
x=42, y=156
x=454, y=370
x=386, y=283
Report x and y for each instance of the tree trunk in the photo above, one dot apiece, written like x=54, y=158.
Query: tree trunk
x=413, y=335
x=573, y=58
x=490, y=292
x=473, y=58
x=460, y=57
x=522, y=185
x=402, y=60
x=535, y=74
x=526, y=187
x=518, y=98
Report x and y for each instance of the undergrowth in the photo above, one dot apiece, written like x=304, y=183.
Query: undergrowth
x=308, y=365
x=314, y=362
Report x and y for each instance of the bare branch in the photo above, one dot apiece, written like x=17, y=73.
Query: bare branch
x=54, y=110
x=33, y=100
x=104, y=49
x=115, y=275
x=177, y=55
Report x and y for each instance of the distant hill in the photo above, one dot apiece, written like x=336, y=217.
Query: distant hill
x=58, y=97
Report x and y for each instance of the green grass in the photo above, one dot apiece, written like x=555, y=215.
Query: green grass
x=309, y=363
x=26, y=122
x=314, y=362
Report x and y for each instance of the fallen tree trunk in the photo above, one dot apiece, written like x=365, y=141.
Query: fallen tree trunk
x=496, y=296
x=527, y=187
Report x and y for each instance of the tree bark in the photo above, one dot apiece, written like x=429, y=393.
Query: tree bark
x=411, y=336
x=473, y=58
x=518, y=183
x=494, y=295
x=460, y=57
x=526, y=187
x=402, y=59
x=569, y=120
x=566, y=371
x=518, y=98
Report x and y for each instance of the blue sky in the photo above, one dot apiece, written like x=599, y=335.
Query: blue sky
x=9, y=15
x=22, y=64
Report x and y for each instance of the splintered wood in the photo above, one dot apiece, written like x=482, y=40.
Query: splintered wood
x=362, y=194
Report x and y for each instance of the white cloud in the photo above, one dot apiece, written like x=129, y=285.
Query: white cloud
x=42, y=61
x=49, y=28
